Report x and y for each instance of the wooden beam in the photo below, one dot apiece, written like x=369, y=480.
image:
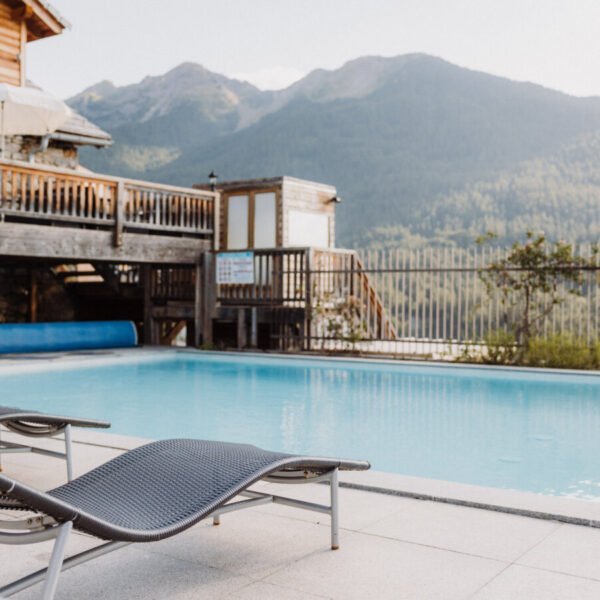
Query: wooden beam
x=169, y=337
x=119, y=214
x=41, y=241
x=42, y=22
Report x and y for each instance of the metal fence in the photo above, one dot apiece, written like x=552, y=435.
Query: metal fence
x=434, y=302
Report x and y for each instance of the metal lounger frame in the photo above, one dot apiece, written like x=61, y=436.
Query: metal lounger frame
x=7, y=447
x=39, y=528
x=41, y=425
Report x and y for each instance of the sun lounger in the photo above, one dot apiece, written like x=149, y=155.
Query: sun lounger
x=40, y=425
x=154, y=492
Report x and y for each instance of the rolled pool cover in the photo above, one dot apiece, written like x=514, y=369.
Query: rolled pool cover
x=18, y=338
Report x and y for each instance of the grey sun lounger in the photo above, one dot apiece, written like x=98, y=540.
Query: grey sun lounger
x=152, y=493
x=34, y=424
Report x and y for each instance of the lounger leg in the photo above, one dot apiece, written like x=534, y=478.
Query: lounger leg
x=0, y=450
x=217, y=520
x=335, y=523
x=56, y=561
x=69, y=452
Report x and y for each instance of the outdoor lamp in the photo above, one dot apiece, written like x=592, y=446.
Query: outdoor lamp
x=212, y=178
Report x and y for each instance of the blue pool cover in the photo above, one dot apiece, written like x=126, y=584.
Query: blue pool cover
x=16, y=338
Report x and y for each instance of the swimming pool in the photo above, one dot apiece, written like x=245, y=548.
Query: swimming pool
x=529, y=431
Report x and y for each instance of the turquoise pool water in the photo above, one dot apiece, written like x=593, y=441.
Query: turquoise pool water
x=502, y=428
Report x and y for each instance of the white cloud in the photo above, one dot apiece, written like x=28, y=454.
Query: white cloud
x=271, y=78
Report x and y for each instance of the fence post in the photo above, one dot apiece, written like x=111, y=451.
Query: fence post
x=119, y=213
x=308, y=299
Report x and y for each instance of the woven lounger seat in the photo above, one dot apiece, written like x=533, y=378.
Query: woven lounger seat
x=35, y=424
x=159, y=490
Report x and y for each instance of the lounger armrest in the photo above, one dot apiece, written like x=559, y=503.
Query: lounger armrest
x=42, y=418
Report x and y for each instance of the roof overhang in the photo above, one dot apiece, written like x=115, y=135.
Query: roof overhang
x=81, y=140
x=42, y=19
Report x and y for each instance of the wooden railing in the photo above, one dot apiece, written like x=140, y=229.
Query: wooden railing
x=279, y=280
x=339, y=275
x=43, y=195
x=326, y=282
x=175, y=282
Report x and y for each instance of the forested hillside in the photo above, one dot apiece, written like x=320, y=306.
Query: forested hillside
x=420, y=150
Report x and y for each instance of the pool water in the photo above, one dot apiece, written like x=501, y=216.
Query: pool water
x=529, y=431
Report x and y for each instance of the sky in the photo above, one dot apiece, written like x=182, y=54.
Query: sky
x=272, y=43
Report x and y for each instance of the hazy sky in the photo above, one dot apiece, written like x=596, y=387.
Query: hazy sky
x=273, y=42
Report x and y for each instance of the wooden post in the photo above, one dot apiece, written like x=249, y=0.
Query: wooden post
x=119, y=213
x=197, y=305
x=217, y=221
x=308, y=300
x=148, y=320
x=254, y=327
x=242, y=338
x=33, y=296
x=209, y=296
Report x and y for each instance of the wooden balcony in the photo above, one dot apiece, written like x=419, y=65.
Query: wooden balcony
x=47, y=212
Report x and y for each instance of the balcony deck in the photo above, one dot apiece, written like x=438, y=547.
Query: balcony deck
x=47, y=212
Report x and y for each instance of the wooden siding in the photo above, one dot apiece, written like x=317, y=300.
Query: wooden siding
x=307, y=196
x=13, y=36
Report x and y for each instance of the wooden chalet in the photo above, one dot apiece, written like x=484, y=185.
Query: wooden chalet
x=241, y=263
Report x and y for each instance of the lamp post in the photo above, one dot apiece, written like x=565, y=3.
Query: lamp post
x=212, y=179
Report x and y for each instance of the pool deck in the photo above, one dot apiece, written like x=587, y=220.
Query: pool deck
x=391, y=547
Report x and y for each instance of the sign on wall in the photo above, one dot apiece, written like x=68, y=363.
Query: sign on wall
x=235, y=268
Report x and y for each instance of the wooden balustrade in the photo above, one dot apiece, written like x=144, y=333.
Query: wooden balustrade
x=280, y=279
x=29, y=192
x=41, y=194
x=173, y=283
x=156, y=208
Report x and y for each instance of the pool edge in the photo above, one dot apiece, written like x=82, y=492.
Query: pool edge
x=564, y=509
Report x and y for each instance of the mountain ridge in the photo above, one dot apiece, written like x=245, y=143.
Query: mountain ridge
x=404, y=132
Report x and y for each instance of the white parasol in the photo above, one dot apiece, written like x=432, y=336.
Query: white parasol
x=29, y=111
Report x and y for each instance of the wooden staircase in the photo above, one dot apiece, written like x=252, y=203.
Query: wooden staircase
x=341, y=275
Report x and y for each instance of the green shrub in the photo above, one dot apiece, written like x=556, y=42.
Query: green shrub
x=500, y=348
x=596, y=354
x=561, y=351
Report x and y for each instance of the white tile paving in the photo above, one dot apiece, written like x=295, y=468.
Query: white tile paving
x=391, y=548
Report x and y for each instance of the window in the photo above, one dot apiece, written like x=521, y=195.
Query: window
x=237, y=222
x=265, y=220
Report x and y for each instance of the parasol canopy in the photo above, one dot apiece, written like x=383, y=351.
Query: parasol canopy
x=30, y=111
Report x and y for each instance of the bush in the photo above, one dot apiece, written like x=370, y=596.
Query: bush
x=500, y=348
x=562, y=351
x=596, y=354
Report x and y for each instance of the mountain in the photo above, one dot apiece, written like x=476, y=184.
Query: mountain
x=421, y=150
x=157, y=120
